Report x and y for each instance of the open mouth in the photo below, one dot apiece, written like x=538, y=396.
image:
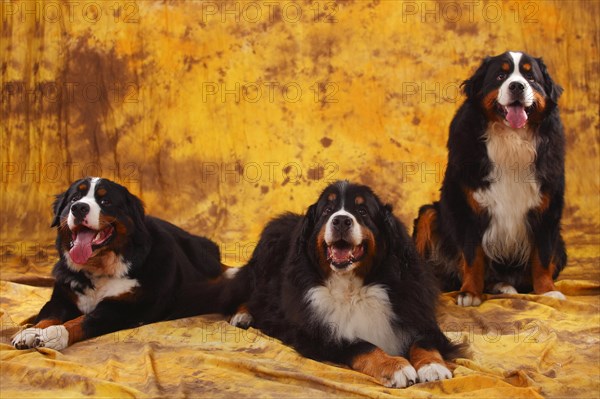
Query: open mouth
x=86, y=240
x=515, y=114
x=341, y=254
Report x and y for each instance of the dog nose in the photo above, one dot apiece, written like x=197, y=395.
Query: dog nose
x=516, y=87
x=341, y=223
x=80, y=209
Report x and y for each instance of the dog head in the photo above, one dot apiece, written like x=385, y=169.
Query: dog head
x=349, y=230
x=513, y=88
x=97, y=218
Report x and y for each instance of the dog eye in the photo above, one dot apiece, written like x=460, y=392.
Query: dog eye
x=105, y=202
x=362, y=211
x=501, y=76
x=530, y=77
x=76, y=197
x=327, y=210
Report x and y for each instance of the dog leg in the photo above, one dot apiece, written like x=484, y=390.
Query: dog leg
x=472, y=280
x=543, y=284
x=391, y=371
x=242, y=318
x=429, y=364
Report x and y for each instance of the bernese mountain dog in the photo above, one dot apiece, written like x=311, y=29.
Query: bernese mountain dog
x=344, y=283
x=496, y=227
x=119, y=268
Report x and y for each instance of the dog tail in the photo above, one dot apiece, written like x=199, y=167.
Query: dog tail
x=425, y=229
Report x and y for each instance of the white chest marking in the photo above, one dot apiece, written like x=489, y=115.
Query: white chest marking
x=354, y=311
x=104, y=287
x=513, y=191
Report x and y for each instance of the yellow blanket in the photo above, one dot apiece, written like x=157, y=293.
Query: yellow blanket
x=220, y=117
x=522, y=346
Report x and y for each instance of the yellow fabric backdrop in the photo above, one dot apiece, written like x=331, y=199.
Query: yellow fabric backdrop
x=220, y=115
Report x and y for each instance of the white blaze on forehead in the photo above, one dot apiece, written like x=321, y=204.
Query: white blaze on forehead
x=92, y=219
x=504, y=96
x=354, y=234
x=516, y=56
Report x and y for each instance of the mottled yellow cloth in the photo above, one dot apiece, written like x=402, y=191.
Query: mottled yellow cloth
x=219, y=116
x=522, y=346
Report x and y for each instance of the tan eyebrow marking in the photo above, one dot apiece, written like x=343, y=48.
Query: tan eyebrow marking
x=527, y=67
x=332, y=197
x=82, y=186
x=506, y=66
x=359, y=200
x=101, y=192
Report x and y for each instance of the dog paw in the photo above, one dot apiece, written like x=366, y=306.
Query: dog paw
x=26, y=338
x=555, y=294
x=53, y=337
x=504, y=288
x=402, y=378
x=434, y=372
x=468, y=299
x=241, y=320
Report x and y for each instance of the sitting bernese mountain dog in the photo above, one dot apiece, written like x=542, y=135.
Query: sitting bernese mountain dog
x=119, y=269
x=344, y=284
x=496, y=226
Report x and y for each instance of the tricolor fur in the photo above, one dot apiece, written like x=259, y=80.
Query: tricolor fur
x=119, y=268
x=497, y=223
x=343, y=283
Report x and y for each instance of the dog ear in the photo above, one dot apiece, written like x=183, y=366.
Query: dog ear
x=553, y=90
x=398, y=241
x=135, y=210
x=307, y=228
x=473, y=86
x=59, y=204
x=393, y=228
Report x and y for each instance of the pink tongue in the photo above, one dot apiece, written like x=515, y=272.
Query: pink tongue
x=339, y=255
x=516, y=116
x=82, y=247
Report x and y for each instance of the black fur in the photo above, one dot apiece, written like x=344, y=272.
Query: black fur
x=459, y=230
x=285, y=266
x=177, y=272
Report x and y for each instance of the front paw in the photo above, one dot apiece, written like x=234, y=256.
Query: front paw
x=504, y=288
x=53, y=337
x=402, y=378
x=555, y=294
x=468, y=299
x=241, y=320
x=434, y=372
x=391, y=371
x=27, y=338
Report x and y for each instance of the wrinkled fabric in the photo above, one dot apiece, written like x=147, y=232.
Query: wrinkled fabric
x=163, y=97
x=522, y=345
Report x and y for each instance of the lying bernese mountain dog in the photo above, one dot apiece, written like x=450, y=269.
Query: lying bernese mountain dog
x=496, y=226
x=119, y=269
x=344, y=284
